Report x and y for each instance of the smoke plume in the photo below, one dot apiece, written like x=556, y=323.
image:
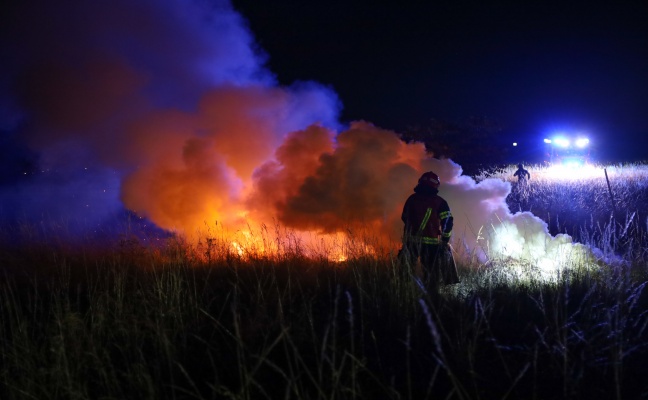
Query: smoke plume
x=166, y=108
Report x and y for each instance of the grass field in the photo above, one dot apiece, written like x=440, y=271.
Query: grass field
x=570, y=200
x=180, y=320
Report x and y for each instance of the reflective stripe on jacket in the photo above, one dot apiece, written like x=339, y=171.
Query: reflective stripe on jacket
x=427, y=218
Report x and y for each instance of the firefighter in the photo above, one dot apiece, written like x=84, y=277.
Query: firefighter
x=521, y=189
x=428, y=228
x=522, y=174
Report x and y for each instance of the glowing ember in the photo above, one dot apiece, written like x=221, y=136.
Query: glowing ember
x=237, y=247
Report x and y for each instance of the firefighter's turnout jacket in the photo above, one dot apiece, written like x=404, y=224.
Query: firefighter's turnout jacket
x=427, y=217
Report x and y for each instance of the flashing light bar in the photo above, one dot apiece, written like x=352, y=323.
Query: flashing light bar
x=561, y=141
x=582, y=142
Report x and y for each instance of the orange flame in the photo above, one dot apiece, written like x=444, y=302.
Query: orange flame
x=226, y=167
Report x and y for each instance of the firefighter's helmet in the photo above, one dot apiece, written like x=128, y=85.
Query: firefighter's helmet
x=430, y=179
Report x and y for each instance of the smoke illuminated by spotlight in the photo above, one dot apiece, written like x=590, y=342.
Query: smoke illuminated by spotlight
x=190, y=130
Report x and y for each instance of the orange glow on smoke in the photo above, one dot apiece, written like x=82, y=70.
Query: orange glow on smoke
x=319, y=185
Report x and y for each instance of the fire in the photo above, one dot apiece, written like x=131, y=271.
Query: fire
x=204, y=142
x=239, y=250
x=338, y=247
x=330, y=193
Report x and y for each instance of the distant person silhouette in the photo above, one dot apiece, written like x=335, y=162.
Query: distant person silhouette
x=521, y=189
x=522, y=174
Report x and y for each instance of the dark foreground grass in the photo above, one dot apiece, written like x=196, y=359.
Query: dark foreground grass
x=165, y=323
x=175, y=321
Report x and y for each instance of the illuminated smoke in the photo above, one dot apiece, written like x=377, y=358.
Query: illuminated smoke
x=486, y=232
x=170, y=97
x=328, y=183
x=166, y=107
x=194, y=170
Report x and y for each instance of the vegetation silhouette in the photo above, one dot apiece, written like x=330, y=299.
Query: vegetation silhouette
x=122, y=318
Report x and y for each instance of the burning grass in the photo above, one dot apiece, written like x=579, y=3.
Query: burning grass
x=145, y=317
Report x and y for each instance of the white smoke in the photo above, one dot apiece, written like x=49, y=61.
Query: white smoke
x=487, y=233
x=172, y=100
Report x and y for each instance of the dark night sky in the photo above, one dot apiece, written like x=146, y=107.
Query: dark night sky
x=534, y=67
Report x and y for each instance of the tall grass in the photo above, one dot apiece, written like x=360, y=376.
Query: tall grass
x=571, y=200
x=175, y=322
x=203, y=320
